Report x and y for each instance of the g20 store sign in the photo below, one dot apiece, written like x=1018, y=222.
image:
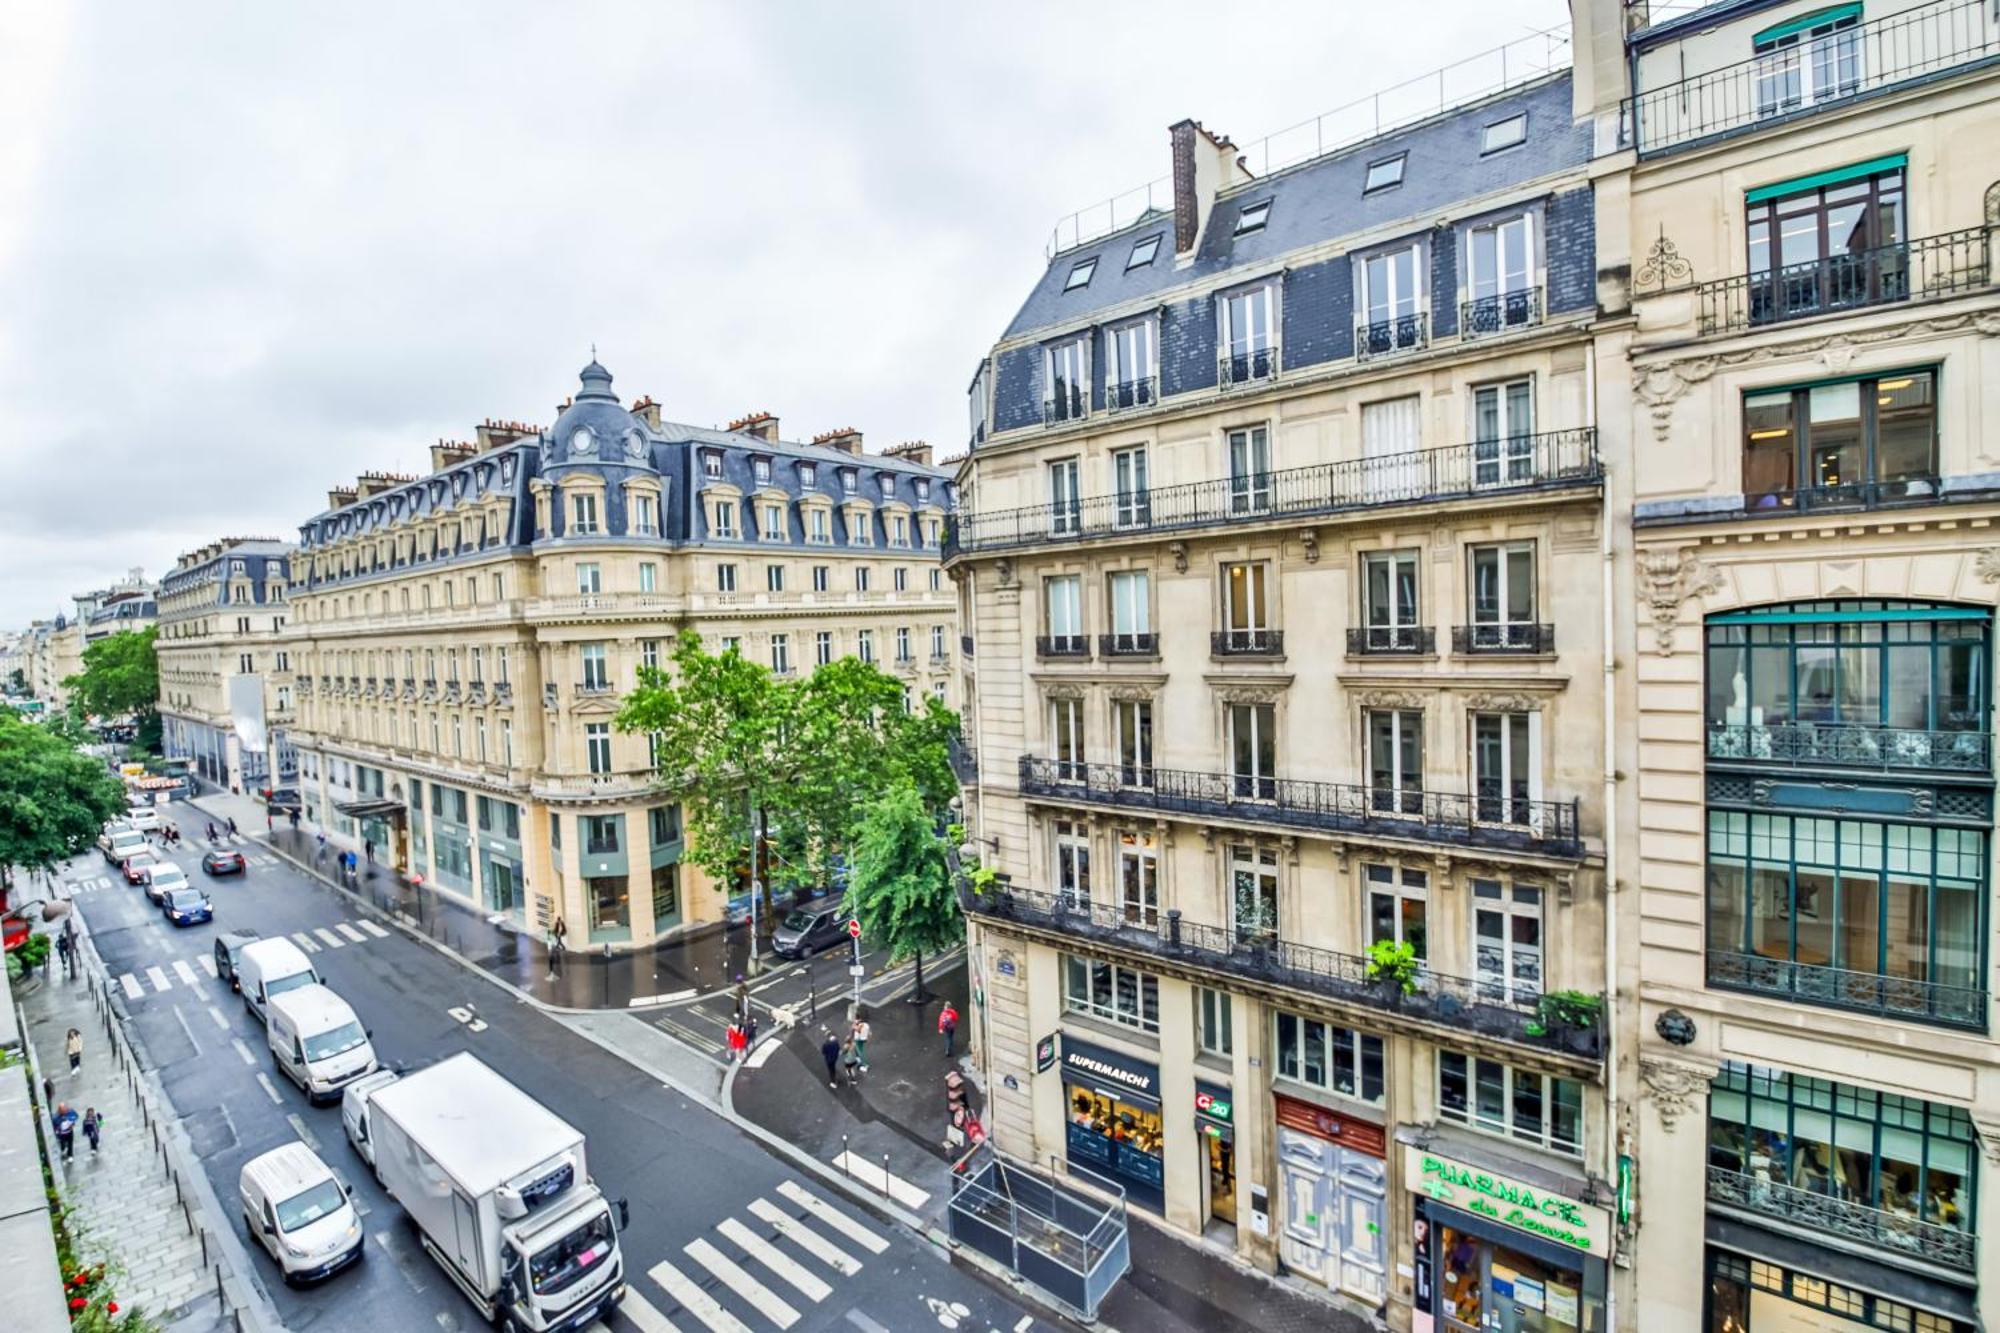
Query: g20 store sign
x=1555, y=1218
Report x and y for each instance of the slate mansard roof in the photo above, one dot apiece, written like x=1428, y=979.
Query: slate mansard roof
x=263, y=561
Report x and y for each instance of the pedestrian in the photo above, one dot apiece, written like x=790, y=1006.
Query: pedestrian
x=852, y=1060
x=736, y=1043
x=65, y=1123
x=62, y=948
x=829, y=1051
x=211, y=832
x=48, y=1091
x=862, y=1032
x=73, y=1044
x=93, y=1126
x=557, y=934
x=295, y=821
x=232, y=826
x=750, y=1030
x=369, y=847
x=742, y=998
x=948, y=1028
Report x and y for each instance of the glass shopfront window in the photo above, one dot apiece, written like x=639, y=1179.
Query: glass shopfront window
x=610, y=907
x=1114, y=1126
x=1855, y=442
x=1748, y=1295
x=1115, y=994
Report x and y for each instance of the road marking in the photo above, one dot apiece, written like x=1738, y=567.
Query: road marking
x=803, y=1236
x=641, y=1312
x=265, y=1079
x=832, y=1216
x=865, y=1324
x=208, y=966
x=244, y=1051
x=402, y=1266
x=305, y=1134
x=638, y=1000
x=775, y=1259
x=217, y=1015
x=763, y=1052
x=158, y=977
x=188, y=1030
x=186, y=973
x=304, y=941
x=375, y=930
x=694, y=1300
x=768, y=1303
x=465, y=1016
x=351, y=932
x=883, y=1181
x=131, y=984
x=1027, y=1322
x=333, y=941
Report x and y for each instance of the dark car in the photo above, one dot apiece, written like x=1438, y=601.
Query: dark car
x=187, y=907
x=227, y=946
x=281, y=800
x=809, y=929
x=224, y=863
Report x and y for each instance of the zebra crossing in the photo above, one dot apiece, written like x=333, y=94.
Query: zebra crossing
x=756, y=1270
x=160, y=978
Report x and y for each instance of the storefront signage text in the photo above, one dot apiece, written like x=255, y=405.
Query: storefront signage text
x=1211, y=1102
x=1117, y=1070
x=1580, y=1226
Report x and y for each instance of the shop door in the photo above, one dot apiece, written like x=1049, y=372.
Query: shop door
x=1363, y=1192
x=1221, y=1175
x=1306, y=1239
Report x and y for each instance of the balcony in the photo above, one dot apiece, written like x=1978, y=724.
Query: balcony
x=1070, y=402
x=1234, y=369
x=1485, y=316
x=595, y=689
x=1439, y=1000
x=1374, y=339
x=1949, y=264
x=940, y=661
x=604, y=604
x=1903, y=999
x=1844, y=745
x=409, y=687
x=1877, y=1228
x=1798, y=80
x=1130, y=395
x=587, y=786
x=1557, y=460
x=1502, y=638
x=1450, y=818
x=1392, y=641
x=1062, y=646
x=1128, y=645
x=1246, y=643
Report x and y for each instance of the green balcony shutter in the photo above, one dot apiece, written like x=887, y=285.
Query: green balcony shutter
x=1799, y=185
x=1806, y=22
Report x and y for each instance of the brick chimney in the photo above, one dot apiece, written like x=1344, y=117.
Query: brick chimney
x=762, y=425
x=492, y=434
x=339, y=497
x=445, y=453
x=1204, y=165
x=846, y=439
x=913, y=451
x=647, y=411
x=374, y=483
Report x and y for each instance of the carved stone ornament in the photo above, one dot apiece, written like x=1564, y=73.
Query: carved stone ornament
x=1131, y=692
x=1986, y=564
x=1989, y=1138
x=1235, y=693
x=1502, y=703
x=1063, y=690
x=1993, y=204
x=1664, y=268
x=1003, y=569
x=1667, y=579
x=1309, y=538
x=1675, y=1028
x=1179, y=551
x=1675, y=1089
x=1391, y=699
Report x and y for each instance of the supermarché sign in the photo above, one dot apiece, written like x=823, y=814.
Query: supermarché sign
x=1555, y=1218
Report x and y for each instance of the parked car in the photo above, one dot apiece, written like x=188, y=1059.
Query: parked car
x=138, y=867
x=300, y=1212
x=164, y=878
x=736, y=912
x=120, y=842
x=228, y=948
x=281, y=799
x=187, y=907
x=224, y=863
x=808, y=930
x=145, y=818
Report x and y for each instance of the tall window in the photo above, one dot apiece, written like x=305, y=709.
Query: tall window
x=1798, y=64
x=1503, y=596
x=588, y=578
x=1065, y=500
x=725, y=518
x=725, y=578
x=1249, y=470
x=861, y=578
x=774, y=578
x=1855, y=442
x=1139, y=878
x=1334, y=1059
x=822, y=647
x=1392, y=286
x=1399, y=907
x=1535, y=1108
x=1828, y=247
x=1134, y=719
x=1249, y=335
x=1246, y=613
x=1389, y=584
x=1066, y=738
x=1065, y=604
x=646, y=515
x=1506, y=772
x=1130, y=382
x=649, y=654
x=1115, y=994
x=902, y=643
x=1507, y=940
x=1253, y=751
x=1067, y=367
x=649, y=576
x=781, y=654
x=1129, y=485
x=820, y=576
x=1253, y=893
x=1503, y=433
x=596, y=672
x=597, y=746
x=1131, y=612
x=1214, y=1022
x=583, y=515
x=900, y=578
x=1500, y=259
x=819, y=528
x=1391, y=434
x=601, y=834
x=1396, y=760
x=1072, y=848
x=864, y=644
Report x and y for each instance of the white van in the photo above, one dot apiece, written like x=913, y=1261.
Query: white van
x=317, y=1041
x=144, y=817
x=271, y=967
x=354, y=1110
x=122, y=844
x=298, y=1210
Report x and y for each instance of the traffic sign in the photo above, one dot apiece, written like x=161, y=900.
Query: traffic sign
x=854, y=928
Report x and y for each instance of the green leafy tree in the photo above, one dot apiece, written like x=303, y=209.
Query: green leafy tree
x=121, y=678
x=900, y=886
x=53, y=800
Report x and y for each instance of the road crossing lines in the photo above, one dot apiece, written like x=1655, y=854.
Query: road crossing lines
x=768, y=1302
x=350, y=932
x=639, y=1312
x=133, y=990
x=185, y=973
x=833, y=1217
x=158, y=976
x=134, y=985
x=694, y=1300
x=374, y=930
x=305, y=941
x=333, y=941
x=775, y=1259
x=803, y=1236
x=208, y=966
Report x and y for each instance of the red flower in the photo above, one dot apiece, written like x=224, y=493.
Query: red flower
x=78, y=1303
x=112, y=1308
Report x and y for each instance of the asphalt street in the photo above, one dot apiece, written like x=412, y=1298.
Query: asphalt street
x=724, y=1235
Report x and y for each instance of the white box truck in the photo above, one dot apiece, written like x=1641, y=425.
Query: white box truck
x=498, y=1188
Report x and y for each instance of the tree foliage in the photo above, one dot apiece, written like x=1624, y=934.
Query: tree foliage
x=899, y=886
x=120, y=676
x=53, y=800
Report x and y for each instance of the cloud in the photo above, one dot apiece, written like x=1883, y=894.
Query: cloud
x=248, y=251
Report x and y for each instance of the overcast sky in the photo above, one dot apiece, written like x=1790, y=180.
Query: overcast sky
x=248, y=251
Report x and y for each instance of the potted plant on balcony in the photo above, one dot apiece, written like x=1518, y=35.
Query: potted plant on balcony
x=1573, y=1014
x=1393, y=964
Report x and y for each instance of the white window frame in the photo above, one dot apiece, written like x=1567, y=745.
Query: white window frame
x=1062, y=600
x=589, y=578
x=1143, y=986
x=1249, y=453
x=822, y=647
x=595, y=673
x=1501, y=808
x=1066, y=739
x=1132, y=362
x=597, y=746
x=821, y=575
x=1503, y=616
x=1065, y=496
x=1498, y=959
x=1131, y=595
x=1131, y=487
x=1247, y=325
x=1261, y=722
x=1256, y=615
x=1393, y=302
x=1139, y=878
x=1257, y=864
x=1402, y=794
x=1397, y=887
x=583, y=515
x=725, y=578
x=725, y=518
x=781, y=654
x=774, y=578
x=1132, y=723
x=1072, y=356
x=1069, y=842
x=649, y=576
x=1215, y=1022
x=1397, y=624
x=1503, y=454
x=1505, y=1126
x=1332, y=1041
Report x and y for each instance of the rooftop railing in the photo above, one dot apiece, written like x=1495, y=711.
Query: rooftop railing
x=1552, y=460
x=1877, y=1228
x=1949, y=264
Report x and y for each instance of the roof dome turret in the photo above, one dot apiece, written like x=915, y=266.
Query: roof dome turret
x=594, y=428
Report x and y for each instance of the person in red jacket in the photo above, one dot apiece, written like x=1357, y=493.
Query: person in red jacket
x=948, y=1028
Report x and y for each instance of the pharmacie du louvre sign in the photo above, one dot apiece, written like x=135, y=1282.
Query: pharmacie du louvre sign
x=1555, y=1218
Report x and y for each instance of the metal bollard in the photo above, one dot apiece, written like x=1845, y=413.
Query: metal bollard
x=846, y=1161
x=885, y=1175
x=218, y=1282
x=204, y=1247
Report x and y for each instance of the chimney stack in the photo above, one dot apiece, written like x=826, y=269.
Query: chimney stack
x=647, y=411
x=846, y=439
x=445, y=453
x=493, y=434
x=1204, y=165
x=762, y=425
x=912, y=451
x=339, y=497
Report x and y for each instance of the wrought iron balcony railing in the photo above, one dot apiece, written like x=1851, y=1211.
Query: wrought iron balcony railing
x=1126, y=395
x=1878, y=1228
x=1503, y=312
x=1233, y=368
x=1845, y=745
x=1387, y=337
x=1391, y=641
x=1502, y=637
x=1062, y=645
x=1463, y=1004
x=1128, y=645
x=1247, y=643
x=1944, y=265
x=1452, y=818
x=1837, y=67
x=1070, y=402
x=1550, y=461
x=1901, y=998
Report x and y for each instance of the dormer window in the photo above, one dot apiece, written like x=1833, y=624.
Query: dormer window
x=1253, y=217
x=807, y=474
x=923, y=488
x=888, y=484
x=1384, y=174
x=850, y=481
x=725, y=519
x=1142, y=253
x=761, y=468
x=1504, y=134
x=711, y=465
x=774, y=522
x=1079, y=276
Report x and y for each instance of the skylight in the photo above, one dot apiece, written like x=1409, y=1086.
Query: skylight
x=1505, y=133
x=1080, y=275
x=1383, y=174
x=1142, y=253
x=1253, y=217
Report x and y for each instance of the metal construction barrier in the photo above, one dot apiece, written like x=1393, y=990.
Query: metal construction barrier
x=1071, y=1245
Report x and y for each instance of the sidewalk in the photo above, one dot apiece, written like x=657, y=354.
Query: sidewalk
x=898, y=1114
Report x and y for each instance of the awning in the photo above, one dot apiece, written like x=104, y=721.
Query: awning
x=373, y=808
x=1846, y=1267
